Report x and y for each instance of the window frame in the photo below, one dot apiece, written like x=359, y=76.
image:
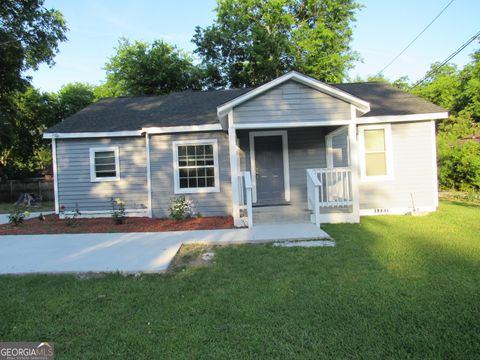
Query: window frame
x=387, y=129
x=176, y=169
x=93, y=174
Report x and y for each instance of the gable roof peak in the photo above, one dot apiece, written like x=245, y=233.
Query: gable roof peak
x=362, y=105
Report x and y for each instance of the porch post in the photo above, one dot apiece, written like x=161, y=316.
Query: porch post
x=234, y=171
x=353, y=144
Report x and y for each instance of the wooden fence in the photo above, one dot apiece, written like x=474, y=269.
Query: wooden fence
x=11, y=190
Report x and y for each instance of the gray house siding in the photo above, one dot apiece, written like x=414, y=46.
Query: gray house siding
x=289, y=102
x=412, y=174
x=161, y=156
x=306, y=150
x=340, y=154
x=73, y=174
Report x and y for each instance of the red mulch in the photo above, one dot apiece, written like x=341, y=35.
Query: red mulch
x=53, y=225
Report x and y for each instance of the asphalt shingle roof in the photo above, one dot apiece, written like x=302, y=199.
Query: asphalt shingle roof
x=388, y=100
x=200, y=108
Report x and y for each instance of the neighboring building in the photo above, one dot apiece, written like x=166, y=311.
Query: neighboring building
x=310, y=151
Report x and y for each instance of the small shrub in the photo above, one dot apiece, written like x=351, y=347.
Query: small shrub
x=16, y=218
x=72, y=220
x=181, y=208
x=118, y=211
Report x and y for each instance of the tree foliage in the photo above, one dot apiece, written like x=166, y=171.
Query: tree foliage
x=23, y=149
x=29, y=35
x=254, y=41
x=458, y=152
x=140, y=68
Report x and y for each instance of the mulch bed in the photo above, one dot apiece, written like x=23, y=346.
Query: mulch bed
x=53, y=225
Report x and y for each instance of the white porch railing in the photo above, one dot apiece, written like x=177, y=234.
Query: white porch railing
x=328, y=188
x=245, y=205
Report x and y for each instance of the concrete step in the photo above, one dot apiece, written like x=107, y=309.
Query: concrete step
x=280, y=215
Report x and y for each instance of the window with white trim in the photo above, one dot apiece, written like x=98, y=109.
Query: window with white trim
x=376, y=161
x=195, y=166
x=104, y=164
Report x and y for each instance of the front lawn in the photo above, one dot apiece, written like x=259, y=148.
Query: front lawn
x=8, y=208
x=393, y=287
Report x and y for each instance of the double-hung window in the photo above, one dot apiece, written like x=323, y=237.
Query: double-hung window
x=104, y=164
x=376, y=146
x=195, y=166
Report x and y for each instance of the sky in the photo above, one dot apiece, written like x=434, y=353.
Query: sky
x=383, y=28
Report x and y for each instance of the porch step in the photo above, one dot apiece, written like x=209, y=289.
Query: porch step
x=289, y=214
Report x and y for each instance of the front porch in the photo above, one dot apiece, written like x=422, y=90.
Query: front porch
x=295, y=176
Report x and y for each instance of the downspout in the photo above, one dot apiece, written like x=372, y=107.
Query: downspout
x=55, y=175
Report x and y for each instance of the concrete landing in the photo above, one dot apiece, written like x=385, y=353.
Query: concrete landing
x=128, y=252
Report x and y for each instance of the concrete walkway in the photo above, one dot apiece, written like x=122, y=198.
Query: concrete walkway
x=128, y=252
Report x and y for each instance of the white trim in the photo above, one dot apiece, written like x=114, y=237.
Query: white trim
x=150, y=130
x=55, y=175
x=401, y=118
x=180, y=129
x=91, y=134
x=289, y=124
x=434, y=164
x=90, y=214
x=329, y=144
x=149, y=173
x=286, y=164
x=388, y=152
x=93, y=175
x=234, y=168
x=353, y=147
x=176, y=179
x=362, y=105
x=396, y=211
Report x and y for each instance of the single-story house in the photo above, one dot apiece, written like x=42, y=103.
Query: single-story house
x=295, y=149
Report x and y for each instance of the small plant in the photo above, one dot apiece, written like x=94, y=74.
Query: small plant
x=16, y=218
x=181, y=208
x=71, y=219
x=118, y=211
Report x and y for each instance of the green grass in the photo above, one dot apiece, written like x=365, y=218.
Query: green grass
x=8, y=208
x=394, y=287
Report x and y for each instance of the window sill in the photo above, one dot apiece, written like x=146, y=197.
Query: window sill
x=105, y=179
x=197, y=190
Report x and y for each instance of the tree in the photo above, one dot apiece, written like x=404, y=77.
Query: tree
x=458, y=91
x=443, y=88
x=72, y=98
x=29, y=35
x=140, y=68
x=31, y=113
x=254, y=41
x=35, y=112
x=469, y=98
